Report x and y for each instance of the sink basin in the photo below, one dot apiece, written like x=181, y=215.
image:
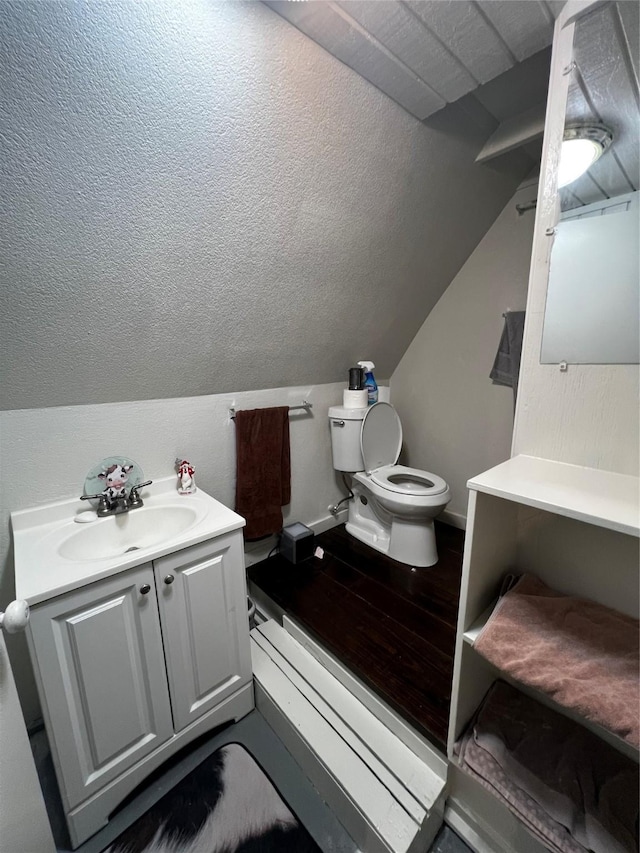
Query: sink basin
x=55, y=554
x=131, y=531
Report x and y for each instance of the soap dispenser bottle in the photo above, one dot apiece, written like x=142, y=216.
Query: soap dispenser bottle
x=369, y=381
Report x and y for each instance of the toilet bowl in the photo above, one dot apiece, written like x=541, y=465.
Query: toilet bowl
x=393, y=506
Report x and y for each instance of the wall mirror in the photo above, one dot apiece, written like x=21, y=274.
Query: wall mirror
x=592, y=314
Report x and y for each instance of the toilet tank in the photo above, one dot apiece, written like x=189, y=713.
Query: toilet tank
x=345, y=426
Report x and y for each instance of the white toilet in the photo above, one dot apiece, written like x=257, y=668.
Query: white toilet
x=393, y=506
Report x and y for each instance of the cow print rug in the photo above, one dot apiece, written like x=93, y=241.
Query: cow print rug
x=225, y=805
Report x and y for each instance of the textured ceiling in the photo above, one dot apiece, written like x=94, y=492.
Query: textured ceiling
x=604, y=88
x=426, y=53
x=198, y=199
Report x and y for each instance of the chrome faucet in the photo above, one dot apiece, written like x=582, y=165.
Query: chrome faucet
x=134, y=500
x=121, y=504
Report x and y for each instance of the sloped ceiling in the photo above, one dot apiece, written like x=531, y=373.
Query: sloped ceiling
x=426, y=54
x=604, y=88
x=199, y=199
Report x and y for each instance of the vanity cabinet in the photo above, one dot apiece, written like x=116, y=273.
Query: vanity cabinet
x=202, y=601
x=133, y=666
x=102, y=674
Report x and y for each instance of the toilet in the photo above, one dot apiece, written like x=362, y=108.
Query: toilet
x=393, y=507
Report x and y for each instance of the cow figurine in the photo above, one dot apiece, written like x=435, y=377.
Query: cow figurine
x=185, y=476
x=115, y=478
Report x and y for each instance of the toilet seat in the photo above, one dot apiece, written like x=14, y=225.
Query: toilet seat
x=409, y=481
x=380, y=442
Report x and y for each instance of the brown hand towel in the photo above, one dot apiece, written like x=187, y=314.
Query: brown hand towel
x=263, y=469
x=582, y=654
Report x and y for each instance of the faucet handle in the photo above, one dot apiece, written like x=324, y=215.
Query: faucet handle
x=141, y=485
x=134, y=497
x=103, y=506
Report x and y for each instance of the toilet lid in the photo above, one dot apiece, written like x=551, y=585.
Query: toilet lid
x=380, y=437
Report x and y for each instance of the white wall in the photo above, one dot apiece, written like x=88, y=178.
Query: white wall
x=588, y=415
x=456, y=422
x=199, y=199
x=45, y=454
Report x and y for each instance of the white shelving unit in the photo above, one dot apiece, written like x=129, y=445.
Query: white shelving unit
x=577, y=529
x=603, y=498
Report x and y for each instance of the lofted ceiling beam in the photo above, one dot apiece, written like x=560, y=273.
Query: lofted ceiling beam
x=513, y=133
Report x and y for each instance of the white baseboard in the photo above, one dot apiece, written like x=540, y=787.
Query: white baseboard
x=329, y=521
x=256, y=552
x=455, y=519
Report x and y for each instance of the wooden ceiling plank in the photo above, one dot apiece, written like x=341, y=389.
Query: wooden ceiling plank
x=398, y=29
x=459, y=24
x=610, y=87
x=578, y=108
x=329, y=27
x=608, y=174
x=587, y=190
x=629, y=12
x=523, y=24
x=569, y=201
x=606, y=171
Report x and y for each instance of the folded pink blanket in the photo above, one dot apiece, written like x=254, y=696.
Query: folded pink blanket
x=582, y=654
x=485, y=769
x=570, y=788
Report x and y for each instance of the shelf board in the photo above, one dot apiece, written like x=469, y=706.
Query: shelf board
x=473, y=632
x=603, y=498
x=607, y=735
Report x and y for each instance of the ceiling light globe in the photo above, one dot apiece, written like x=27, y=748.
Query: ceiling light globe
x=581, y=147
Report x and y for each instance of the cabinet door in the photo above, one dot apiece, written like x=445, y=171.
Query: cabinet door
x=203, y=611
x=98, y=654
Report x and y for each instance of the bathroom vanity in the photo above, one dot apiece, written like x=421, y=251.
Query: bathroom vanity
x=138, y=635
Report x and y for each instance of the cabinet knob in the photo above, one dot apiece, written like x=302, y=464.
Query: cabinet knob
x=145, y=588
x=169, y=579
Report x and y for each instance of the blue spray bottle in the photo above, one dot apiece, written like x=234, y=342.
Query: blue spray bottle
x=369, y=381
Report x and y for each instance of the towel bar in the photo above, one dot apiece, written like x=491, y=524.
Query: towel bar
x=530, y=205
x=306, y=405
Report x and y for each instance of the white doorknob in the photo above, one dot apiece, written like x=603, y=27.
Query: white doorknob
x=15, y=617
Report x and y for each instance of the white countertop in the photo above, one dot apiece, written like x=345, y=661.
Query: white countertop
x=39, y=534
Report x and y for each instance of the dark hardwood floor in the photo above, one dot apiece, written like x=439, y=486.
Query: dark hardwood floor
x=392, y=625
